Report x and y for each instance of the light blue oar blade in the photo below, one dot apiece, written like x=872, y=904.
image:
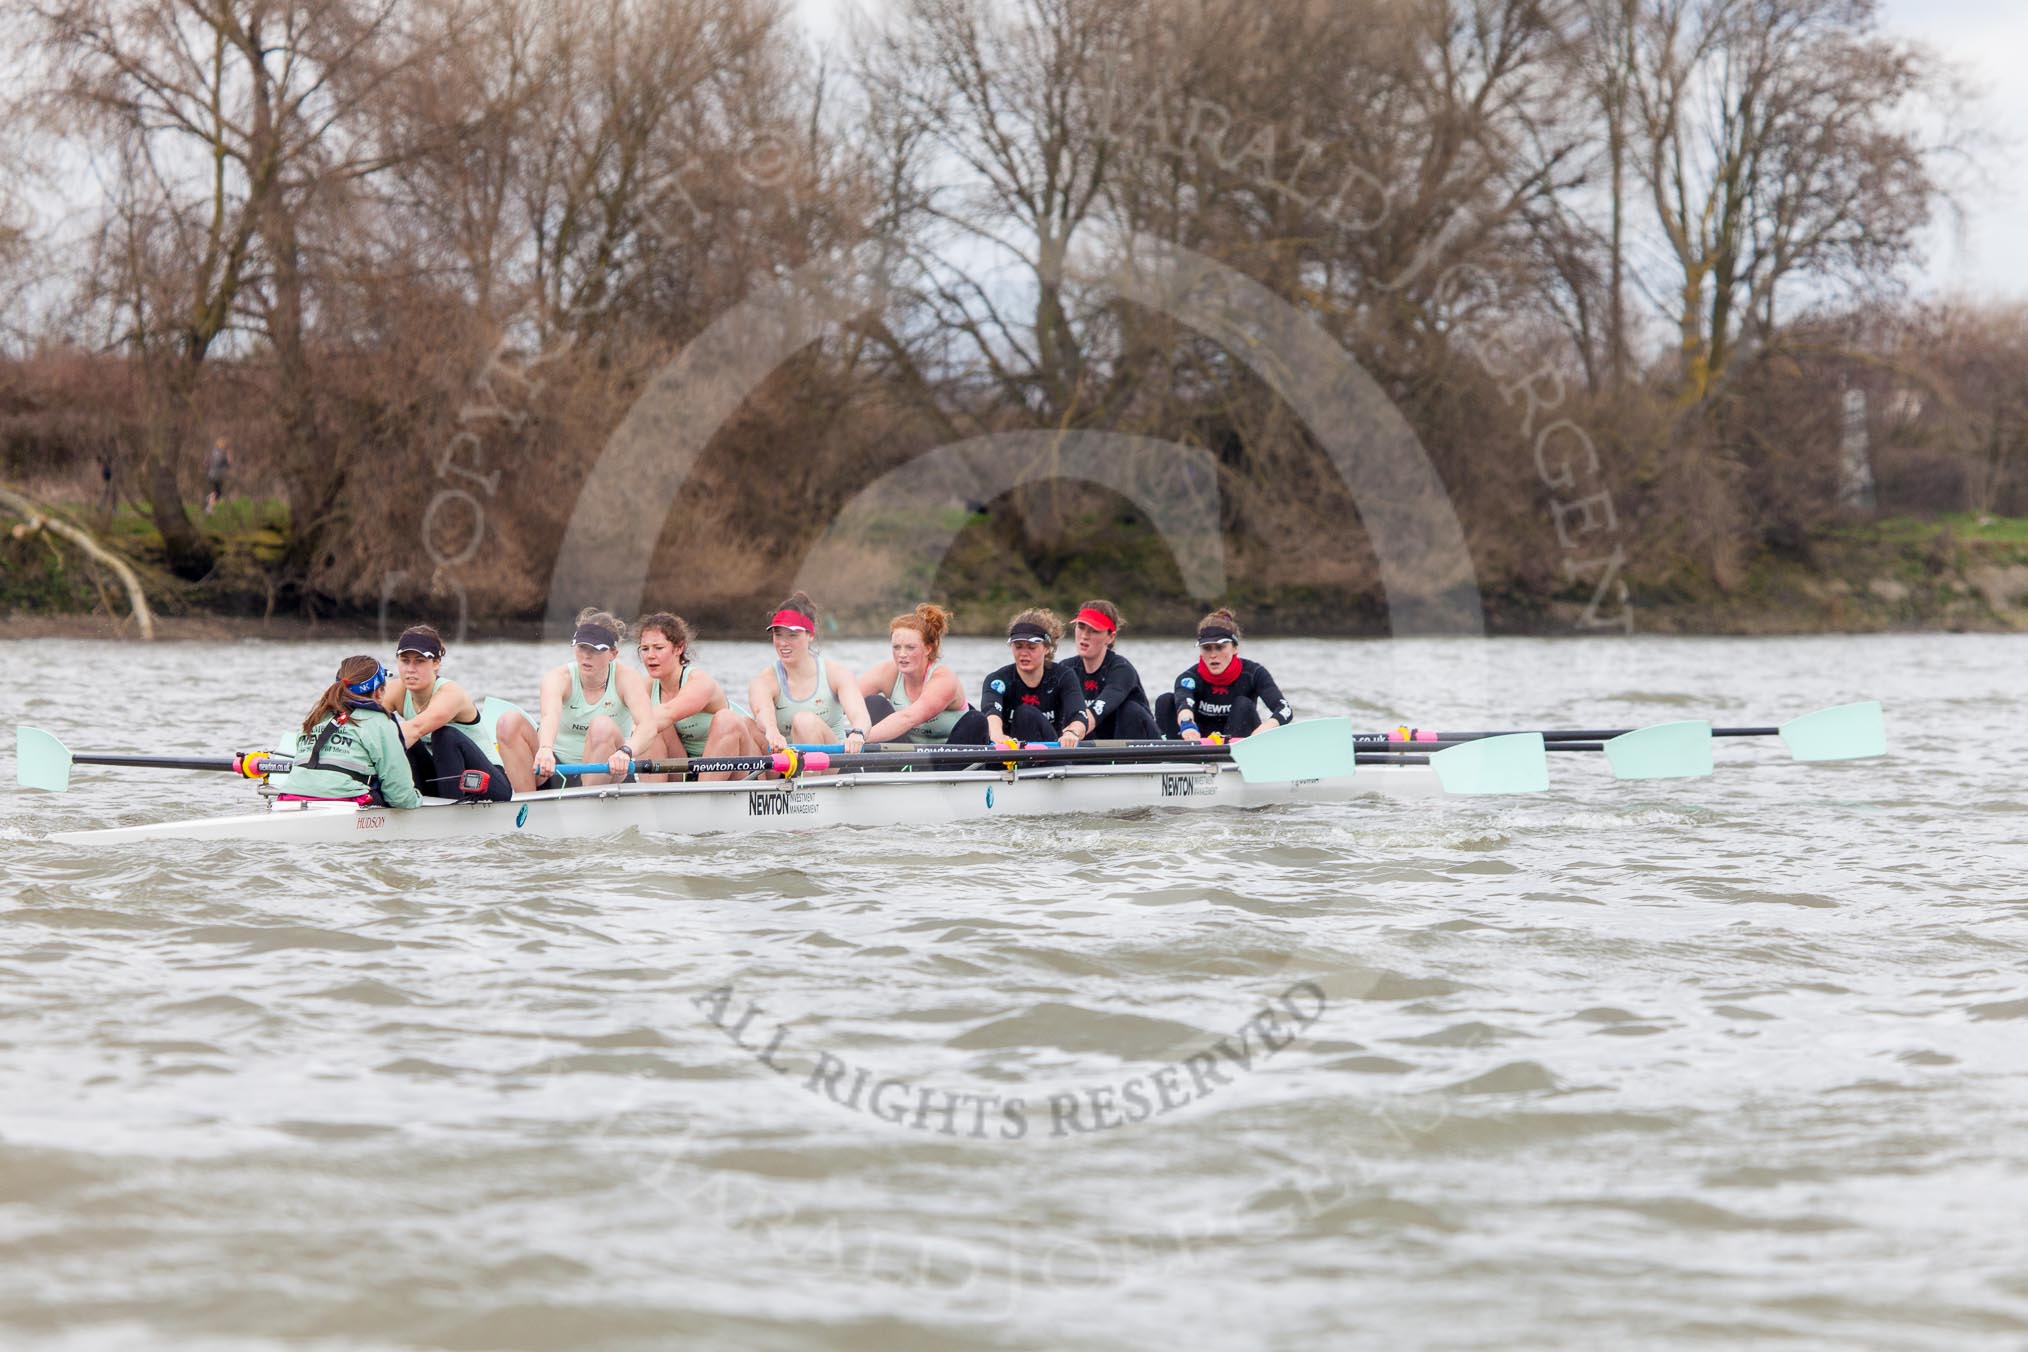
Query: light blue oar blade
x=1515, y=763
x=1316, y=748
x=1664, y=751
x=1846, y=732
x=40, y=761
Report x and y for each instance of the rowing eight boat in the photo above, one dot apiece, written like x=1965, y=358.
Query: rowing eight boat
x=1317, y=761
x=877, y=798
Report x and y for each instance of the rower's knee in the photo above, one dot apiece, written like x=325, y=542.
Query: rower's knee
x=603, y=737
x=810, y=730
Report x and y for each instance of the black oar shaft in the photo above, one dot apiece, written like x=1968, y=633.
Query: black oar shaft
x=1555, y=734
x=231, y=765
x=936, y=758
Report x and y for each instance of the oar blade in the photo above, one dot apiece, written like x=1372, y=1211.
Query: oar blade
x=1514, y=763
x=1316, y=748
x=40, y=761
x=1664, y=751
x=1845, y=732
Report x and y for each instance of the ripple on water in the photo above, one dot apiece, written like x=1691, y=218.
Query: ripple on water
x=1616, y=1065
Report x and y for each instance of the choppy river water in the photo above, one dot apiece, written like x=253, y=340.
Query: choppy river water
x=1704, y=1063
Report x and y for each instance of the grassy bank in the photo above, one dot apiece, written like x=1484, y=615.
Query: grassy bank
x=1955, y=572
x=1949, y=573
x=45, y=583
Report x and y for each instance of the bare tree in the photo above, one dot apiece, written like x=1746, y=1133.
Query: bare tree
x=217, y=118
x=998, y=163
x=1774, y=151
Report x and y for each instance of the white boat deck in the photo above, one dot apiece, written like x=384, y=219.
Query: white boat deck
x=868, y=799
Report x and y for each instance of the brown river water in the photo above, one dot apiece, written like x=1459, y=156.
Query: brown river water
x=1715, y=1063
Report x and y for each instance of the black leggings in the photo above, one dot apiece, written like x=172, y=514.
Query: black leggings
x=439, y=763
x=1026, y=723
x=1243, y=721
x=969, y=730
x=1128, y=723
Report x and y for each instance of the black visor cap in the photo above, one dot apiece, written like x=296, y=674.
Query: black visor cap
x=419, y=642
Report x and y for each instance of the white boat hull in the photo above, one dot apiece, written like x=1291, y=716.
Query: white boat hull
x=882, y=799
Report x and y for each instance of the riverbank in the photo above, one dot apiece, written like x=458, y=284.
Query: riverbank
x=1946, y=574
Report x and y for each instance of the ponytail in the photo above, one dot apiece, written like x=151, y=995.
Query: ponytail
x=1220, y=623
x=338, y=698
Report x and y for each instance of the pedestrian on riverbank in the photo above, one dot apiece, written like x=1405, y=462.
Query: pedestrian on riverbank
x=215, y=469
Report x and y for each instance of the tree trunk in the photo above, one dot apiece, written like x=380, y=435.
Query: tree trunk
x=186, y=549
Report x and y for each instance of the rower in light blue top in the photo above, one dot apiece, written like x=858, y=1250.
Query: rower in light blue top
x=913, y=697
x=437, y=715
x=830, y=709
x=590, y=705
x=689, y=713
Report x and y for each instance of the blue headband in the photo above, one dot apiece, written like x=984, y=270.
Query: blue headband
x=370, y=684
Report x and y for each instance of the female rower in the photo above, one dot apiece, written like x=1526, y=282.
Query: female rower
x=590, y=705
x=448, y=732
x=349, y=746
x=1033, y=699
x=913, y=696
x=1221, y=694
x=1115, y=705
x=689, y=714
x=831, y=711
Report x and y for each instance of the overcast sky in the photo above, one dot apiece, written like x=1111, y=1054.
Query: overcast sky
x=1989, y=39
x=1985, y=253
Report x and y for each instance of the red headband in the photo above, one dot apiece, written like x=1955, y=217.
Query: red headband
x=793, y=619
x=1095, y=619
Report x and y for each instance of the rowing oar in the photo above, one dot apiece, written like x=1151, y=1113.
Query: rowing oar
x=43, y=762
x=1318, y=748
x=1682, y=750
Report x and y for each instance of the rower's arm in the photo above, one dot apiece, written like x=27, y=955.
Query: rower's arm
x=1184, y=693
x=634, y=693
x=993, y=702
x=1271, y=695
x=445, y=707
x=849, y=698
x=937, y=693
x=553, y=686
x=693, y=697
x=1070, y=710
x=1115, y=691
x=390, y=762
x=760, y=699
x=877, y=679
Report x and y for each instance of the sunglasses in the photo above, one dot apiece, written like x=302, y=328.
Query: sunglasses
x=1218, y=647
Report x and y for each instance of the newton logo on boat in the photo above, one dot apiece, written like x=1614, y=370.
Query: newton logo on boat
x=781, y=803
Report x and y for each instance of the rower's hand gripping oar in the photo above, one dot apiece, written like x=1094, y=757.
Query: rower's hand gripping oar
x=43, y=762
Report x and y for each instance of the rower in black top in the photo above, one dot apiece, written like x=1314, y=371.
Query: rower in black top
x=1115, y=705
x=1221, y=694
x=1032, y=699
